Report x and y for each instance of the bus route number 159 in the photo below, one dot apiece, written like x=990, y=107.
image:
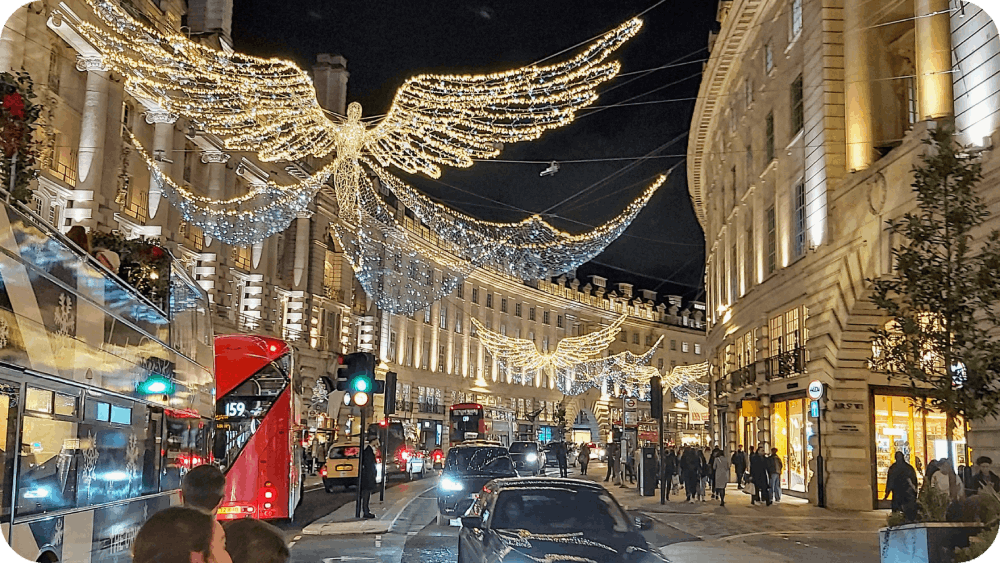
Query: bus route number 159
x=236, y=408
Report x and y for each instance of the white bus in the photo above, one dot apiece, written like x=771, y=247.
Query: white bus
x=501, y=424
x=106, y=398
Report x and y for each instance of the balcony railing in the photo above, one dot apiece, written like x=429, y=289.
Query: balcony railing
x=743, y=377
x=431, y=408
x=404, y=406
x=720, y=388
x=786, y=364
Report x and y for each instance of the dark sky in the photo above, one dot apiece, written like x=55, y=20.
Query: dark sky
x=385, y=42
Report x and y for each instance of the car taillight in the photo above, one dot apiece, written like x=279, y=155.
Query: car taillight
x=322, y=471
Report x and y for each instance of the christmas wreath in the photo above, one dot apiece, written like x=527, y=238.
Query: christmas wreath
x=144, y=264
x=18, y=114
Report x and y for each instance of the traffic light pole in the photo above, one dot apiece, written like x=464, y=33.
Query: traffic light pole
x=361, y=464
x=659, y=468
x=385, y=461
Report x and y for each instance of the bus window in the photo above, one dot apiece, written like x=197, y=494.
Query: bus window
x=240, y=412
x=9, y=394
x=185, y=447
x=51, y=458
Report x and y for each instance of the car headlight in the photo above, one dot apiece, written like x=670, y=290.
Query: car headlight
x=448, y=484
x=531, y=457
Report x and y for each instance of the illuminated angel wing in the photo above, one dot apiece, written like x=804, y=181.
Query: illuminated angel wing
x=577, y=349
x=516, y=352
x=265, y=106
x=452, y=119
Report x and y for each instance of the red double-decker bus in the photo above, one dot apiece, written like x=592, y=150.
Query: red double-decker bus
x=256, y=439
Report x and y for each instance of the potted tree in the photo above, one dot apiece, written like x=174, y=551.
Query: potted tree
x=943, y=299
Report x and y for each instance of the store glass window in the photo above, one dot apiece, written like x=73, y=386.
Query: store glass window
x=902, y=425
x=790, y=432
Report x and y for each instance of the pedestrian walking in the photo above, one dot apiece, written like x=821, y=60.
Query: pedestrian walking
x=691, y=472
x=368, y=477
x=637, y=461
x=609, y=453
x=203, y=489
x=627, y=463
x=180, y=534
x=716, y=452
x=584, y=458
x=720, y=471
x=318, y=454
x=739, y=461
x=249, y=540
x=775, y=465
x=668, y=469
x=759, y=477
x=561, y=458
x=984, y=477
x=901, y=483
x=704, y=472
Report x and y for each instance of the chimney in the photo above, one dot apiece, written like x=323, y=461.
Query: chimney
x=598, y=281
x=648, y=295
x=211, y=16
x=330, y=79
x=625, y=289
x=674, y=300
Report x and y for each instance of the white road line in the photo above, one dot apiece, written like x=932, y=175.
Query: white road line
x=824, y=532
x=298, y=537
x=314, y=488
x=291, y=544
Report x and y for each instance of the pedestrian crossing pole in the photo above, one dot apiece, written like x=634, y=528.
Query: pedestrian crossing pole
x=656, y=410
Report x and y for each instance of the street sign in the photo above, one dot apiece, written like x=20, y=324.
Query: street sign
x=815, y=389
x=630, y=403
x=814, y=409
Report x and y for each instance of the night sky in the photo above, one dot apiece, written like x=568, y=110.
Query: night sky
x=385, y=42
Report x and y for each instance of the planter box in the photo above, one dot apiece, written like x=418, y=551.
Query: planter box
x=926, y=542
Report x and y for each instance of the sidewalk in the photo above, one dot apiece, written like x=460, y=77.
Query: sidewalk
x=388, y=512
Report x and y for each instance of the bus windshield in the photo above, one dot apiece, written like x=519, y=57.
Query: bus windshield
x=466, y=423
x=240, y=412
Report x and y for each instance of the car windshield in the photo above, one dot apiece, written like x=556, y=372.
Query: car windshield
x=559, y=511
x=521, y=447
x=343, y=452
x=489, y=461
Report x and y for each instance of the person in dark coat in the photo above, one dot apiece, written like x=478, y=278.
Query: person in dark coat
x=716, y=452
x=561, y=459
x=368, y=477
x=759, y=477
x=739, y=461
x=668, y=469
x=611, y=453
x=691, y=466
x=901, y=482
x=584, y=458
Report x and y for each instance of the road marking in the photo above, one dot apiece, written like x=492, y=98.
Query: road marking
x=291, y=544
x=347, y=558
x=316, y=488
x=824, y=532
x=412, y=533
x=378, y=537
x=298, y=537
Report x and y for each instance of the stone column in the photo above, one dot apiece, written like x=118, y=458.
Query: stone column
x=216, y=161
x=93, y=126
x=302, y=225
x=163, y=129
x=933, y=42
x=13, y=40
x=859, y=73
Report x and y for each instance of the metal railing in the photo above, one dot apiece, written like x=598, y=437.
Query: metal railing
x=431, y=408
x=720, y=388
x=786, y=364
x=743, y=377
x=404, y=406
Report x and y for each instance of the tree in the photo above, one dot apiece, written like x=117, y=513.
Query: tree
x=944, y=293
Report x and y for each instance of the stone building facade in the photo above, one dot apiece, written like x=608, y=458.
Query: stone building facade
x=809, y=121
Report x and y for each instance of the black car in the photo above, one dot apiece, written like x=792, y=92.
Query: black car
x=530, y=519
x=528, y=457
x=466, y=469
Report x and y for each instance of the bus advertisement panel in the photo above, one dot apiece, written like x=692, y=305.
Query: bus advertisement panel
x=105, y=396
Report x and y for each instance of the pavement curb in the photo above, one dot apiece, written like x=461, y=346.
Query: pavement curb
x=353, y=526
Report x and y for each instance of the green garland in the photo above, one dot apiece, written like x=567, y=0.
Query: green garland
x=18, y=114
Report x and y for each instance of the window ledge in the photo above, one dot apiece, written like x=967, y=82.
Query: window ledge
x=792, y=42
x=771, y=166
x=795, y=139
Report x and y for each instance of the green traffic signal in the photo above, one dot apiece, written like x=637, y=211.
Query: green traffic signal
x=360, y=384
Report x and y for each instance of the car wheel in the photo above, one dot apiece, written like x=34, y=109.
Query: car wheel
x=329, y=488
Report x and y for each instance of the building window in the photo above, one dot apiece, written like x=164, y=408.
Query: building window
x=489, y=300
x=697, y=348
x=475, y=295
x=442, y=350
x=503, y=329
x=456, y=365
x=409, y=351
x=649, y=340
x=427, y=315
x=531, y=313
x=800, y=219
x=559, y=321
x=425, y=355
x=661, y=344
x=458, y=321
x=748, y=90
x=796, y=12
x=517, y=309
x=55, y=70
x=769, y=128
x=911, y=100
x=392, y=346
x=768, y=58
x=749, y=259
x=772, y=242
x=241, y=257
x=635, y=338
x=673, y=345
x=798, y=117
x=545, y=317
x=460, y=291
x=734, y=274
x=545, y=343
x=659, y=363
x=503, y=304
x=625, y=337
x=749, y=162
x=443, y=317
x=684, y=347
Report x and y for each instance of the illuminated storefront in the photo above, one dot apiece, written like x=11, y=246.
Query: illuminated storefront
x=791, y=429
x=900, y=424
x=747, y=424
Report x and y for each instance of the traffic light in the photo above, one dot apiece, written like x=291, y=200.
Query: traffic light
x=655, y=397
x=390, y=392
x=356, y=376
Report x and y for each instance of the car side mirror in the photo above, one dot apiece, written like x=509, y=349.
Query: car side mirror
x=474, y=522
x=643, y=522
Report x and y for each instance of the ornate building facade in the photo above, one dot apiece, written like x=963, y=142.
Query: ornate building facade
x=809, y=121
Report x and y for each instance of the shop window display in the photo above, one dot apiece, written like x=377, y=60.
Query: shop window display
x=790, y=432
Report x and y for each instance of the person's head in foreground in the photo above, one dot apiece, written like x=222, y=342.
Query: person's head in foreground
x=252, y=541
x=180, y=534
x=203, y=488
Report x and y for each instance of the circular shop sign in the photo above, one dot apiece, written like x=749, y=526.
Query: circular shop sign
x=815, y=389
x=630, y=403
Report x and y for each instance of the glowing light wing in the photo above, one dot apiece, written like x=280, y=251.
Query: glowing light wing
x=513, y=351
x=265, y=106
x=530, y=249
x=452, y=119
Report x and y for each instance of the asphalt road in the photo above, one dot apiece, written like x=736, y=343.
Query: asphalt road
x=317, y=503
